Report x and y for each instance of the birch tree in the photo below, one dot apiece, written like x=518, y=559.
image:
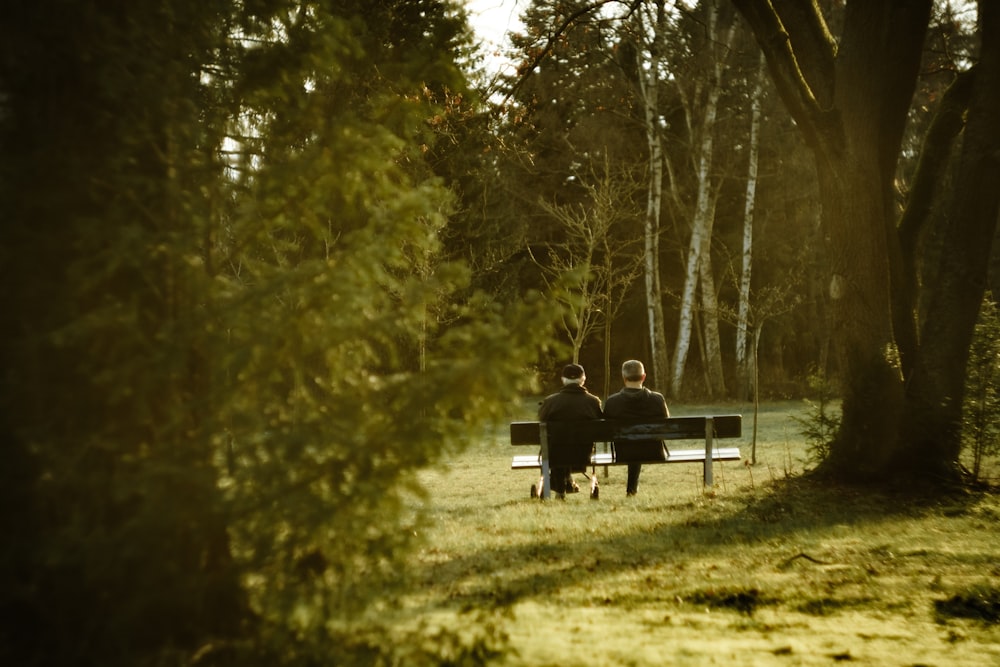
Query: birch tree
x=650, y=31
x=746, y=267
x=698, y=272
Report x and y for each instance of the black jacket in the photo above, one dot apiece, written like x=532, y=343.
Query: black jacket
x=635, y=403
x=570, y=403
x=641, y=403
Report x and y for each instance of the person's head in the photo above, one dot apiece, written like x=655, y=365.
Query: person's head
x=573, y=374
x=633, y=372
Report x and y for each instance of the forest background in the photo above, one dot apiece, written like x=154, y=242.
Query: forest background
x=262, y=259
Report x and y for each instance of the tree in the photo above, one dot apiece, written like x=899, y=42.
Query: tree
x=850, y=97
x=567, y=112
x=746, y=265
x=936, y=385
x=592, y=75
x=650, y=30
x=594, y=264
x=231, y=337
x=981, y=432
x=698, y=272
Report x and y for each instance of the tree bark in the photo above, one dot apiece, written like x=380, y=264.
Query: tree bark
x=746, y=270
x=935, y=392
x=649, y=88
x=714, y=375
x=851, y=103
x=700, y=244
x=947, y=124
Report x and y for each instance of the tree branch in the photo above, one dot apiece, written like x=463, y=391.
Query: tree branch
x=948, y=121
x=553, y=36
x=802, y=68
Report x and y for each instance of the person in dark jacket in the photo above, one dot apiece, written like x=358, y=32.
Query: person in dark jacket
x=635, y=401
x=573, y=402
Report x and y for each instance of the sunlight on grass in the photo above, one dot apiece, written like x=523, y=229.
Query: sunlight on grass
x=765, y=568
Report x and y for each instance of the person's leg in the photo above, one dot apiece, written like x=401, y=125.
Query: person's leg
x=571, y=486
x=632, y=485
x=557, y=480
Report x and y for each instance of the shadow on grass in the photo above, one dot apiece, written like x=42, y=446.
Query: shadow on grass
x=544, y=568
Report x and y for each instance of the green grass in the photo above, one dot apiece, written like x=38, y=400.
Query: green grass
x=765, y=568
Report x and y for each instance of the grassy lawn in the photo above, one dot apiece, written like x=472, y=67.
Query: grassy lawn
x=765, y=568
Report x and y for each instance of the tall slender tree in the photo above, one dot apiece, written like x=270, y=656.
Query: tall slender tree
x=698, y=275
x=650, y=31
x=746, y=264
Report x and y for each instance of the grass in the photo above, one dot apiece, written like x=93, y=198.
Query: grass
x=765, y=568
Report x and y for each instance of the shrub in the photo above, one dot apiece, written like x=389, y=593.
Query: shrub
x=822, y=420
x=981, y=409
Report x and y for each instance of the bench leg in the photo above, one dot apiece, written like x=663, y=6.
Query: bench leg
x=709, y=446
x=544, y=489
x=544, y=437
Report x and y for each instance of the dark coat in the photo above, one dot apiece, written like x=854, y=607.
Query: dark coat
x=571, y=403
x=640, y=403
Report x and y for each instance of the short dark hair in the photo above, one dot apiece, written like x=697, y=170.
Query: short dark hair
x=573, y=372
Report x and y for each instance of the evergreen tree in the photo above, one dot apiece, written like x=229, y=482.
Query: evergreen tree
x=231, y=339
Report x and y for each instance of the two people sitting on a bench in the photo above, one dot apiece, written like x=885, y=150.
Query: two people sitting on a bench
x=571, y=403
x=635, y=401
x=574, y=403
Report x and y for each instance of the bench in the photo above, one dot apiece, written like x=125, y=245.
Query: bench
x=571, y=444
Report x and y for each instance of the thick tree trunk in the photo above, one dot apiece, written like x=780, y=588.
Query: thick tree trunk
x=850, y=98
x=862, y=323
x=935, y=392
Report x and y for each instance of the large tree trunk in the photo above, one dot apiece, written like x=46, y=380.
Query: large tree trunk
x=862, y=324
x=936, y=389
x=851, y=99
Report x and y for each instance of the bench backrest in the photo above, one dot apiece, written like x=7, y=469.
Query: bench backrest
x=623, y=430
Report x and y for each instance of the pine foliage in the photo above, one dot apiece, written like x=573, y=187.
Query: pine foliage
x=231, y=338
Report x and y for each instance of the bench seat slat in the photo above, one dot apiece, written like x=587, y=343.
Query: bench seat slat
x=604, y=430
x=605, y=459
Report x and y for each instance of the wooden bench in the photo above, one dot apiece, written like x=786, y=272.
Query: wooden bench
x=571, y=444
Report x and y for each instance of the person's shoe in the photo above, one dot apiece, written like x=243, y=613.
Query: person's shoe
x=629, y=494
x=572, y=487
x=561, y=496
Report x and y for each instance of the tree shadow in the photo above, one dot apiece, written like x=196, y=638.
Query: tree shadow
x=787, y=508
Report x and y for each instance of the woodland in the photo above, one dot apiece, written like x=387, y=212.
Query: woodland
x=263, y=259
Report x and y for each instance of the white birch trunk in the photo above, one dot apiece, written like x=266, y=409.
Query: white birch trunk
x=743, y=318
x=716, y=377
x=649, y=81
x=701, y=232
